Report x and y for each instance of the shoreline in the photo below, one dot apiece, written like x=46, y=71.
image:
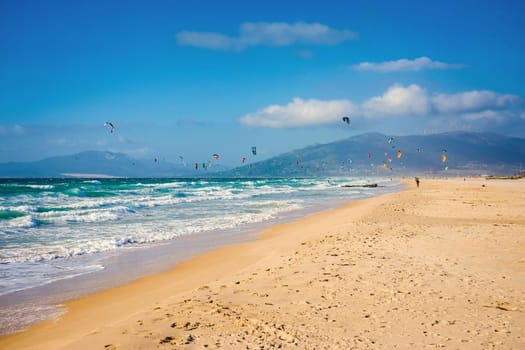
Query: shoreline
x=411, y=268
x=119, y=268
x=36, y=304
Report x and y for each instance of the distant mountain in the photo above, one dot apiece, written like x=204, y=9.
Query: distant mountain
x=361, y=155
x=368, y=154
x=99, y=164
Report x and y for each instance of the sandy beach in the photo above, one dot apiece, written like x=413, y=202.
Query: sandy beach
x=439, y=266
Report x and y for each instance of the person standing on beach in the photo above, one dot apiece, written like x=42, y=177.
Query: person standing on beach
x=417, y=181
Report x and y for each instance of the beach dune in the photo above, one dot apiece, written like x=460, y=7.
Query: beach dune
x=439, y=266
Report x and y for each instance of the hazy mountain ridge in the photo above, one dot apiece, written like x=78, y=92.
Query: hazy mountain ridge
x=96, y=163
x=467, y=153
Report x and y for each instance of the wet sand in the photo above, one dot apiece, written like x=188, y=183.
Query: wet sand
x=442, y=265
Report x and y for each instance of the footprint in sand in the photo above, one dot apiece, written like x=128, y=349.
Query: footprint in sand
x=166, y=340
x=188, y=326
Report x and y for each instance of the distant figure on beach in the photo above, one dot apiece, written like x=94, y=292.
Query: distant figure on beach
x=417, y=181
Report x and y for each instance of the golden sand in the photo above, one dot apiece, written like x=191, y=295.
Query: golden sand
x=442, y=265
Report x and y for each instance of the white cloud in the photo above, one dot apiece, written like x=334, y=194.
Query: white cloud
x=397, y=103
x=475, y=100
x=399, y=100
x=487, y=115
x=207, y=40
x=418, y=64
x=299, y=113
x=413, y=100
x=269, y=34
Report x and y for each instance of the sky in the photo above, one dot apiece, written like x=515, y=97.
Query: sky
x=191, y=79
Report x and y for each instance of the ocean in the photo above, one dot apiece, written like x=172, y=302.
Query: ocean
x=61, y=238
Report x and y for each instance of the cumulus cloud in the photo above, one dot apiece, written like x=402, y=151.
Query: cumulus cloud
x=469, y=110
x=214, y=41
x=488, y=115
x=299, y=113
x=472, y=101
x=397, y=103
x=399, y=100
x=413, y=100
x=268, y=34
x=418, y=64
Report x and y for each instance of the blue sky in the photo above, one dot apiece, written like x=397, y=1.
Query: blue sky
x=191, y=80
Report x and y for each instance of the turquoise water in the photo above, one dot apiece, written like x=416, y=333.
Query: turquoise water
x=57, y=229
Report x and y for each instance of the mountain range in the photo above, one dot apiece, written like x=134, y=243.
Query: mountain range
x=93, y=164
x=377, y=154
x=362, y=155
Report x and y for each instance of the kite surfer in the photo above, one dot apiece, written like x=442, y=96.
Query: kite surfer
x=111, y=125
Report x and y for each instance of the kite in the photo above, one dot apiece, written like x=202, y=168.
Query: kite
x=369, y=155
x=443, y=157
x=254, y=150
x=384, y=165
x=196, y=165
x=390, y=140
x=216, y=156
x=243, y=160
x=346, y=120
x=110, y=124
x=399, y=154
